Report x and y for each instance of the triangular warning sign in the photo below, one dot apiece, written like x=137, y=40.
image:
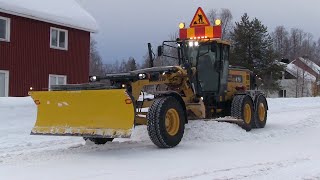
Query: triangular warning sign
x=199, y=19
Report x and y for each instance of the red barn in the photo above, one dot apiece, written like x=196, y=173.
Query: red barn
x=43, y=43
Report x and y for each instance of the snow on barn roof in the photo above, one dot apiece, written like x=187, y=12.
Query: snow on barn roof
x=296, y=71
x=311, y=64
x=61, y=12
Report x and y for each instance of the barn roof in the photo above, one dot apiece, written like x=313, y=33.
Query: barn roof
x=297, y=71
x=61, y=12
x=310, y=64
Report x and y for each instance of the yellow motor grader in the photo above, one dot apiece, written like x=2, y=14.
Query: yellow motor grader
x=202, y=86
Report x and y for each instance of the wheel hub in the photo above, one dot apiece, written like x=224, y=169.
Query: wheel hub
x=247, y=114
x=172, y=122
x=261, y=112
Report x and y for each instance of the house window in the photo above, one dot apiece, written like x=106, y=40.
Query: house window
x=4, y=29
x=57, y=80
x=4, y=83
x=58, y=38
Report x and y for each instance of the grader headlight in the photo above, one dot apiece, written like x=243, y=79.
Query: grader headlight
x=142, y=76
x=93, y=78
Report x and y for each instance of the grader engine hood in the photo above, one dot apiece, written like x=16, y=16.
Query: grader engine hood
x=107, y=113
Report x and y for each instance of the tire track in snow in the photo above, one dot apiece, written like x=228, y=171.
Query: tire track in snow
x=242, y=172
x=76, y=149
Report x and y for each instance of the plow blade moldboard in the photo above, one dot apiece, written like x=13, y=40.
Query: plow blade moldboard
x=90, y=113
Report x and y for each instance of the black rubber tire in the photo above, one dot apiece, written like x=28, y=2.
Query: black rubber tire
x=257, y=122
x=98, y=141
x=156, y=122
x=237, y=110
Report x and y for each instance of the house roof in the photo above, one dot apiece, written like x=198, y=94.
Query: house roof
x=296, y=71
x=61, y=12
x=310, y=64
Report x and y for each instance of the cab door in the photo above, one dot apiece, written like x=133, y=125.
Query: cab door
x=208, y=73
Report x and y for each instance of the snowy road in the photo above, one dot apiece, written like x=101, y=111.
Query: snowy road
x=288, y=148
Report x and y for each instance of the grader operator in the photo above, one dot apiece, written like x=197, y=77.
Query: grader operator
x=202, y=86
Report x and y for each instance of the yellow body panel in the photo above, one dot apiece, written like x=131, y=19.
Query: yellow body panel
x=209, y=31
x=99, y=113
x=237, y=78
x=191, y=32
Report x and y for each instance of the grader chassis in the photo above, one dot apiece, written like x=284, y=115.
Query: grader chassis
x=202, y=86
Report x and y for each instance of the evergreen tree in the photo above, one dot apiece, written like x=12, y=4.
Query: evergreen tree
x=253, y=49
x=131, y=64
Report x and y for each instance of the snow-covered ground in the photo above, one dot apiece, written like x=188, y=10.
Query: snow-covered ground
x=287, y=148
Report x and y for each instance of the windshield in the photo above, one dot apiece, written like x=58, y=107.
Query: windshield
x=193, y=52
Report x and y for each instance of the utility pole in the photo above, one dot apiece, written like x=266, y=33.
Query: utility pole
x=297, y=83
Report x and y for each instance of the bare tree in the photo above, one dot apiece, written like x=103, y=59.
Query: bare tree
x=296, y=38
x=212, y=15
x=317, y=51
x=96, y=66
x=112, y=67
x=308, y=48
x=294, y=41
x=295, y=44
x=173, y=52
x=281, y=41
x=226, y=17
x=169, y=51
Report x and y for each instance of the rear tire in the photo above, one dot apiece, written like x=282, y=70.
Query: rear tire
x=98, y=141
x=166, y=122
x=260, y=113
x=242, y=108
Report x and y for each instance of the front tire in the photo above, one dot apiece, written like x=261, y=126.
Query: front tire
x=166, y=122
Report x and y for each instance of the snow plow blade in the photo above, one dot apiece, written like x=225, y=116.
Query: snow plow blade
x=88, y=113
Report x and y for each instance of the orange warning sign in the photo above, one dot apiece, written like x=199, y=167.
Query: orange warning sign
x=200, y=19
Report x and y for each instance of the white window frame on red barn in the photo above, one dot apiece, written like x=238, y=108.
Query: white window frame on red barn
x=57, y=76
x=8, y=29
x=6, y=82
x=58, y=39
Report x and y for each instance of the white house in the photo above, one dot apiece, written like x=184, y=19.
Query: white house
x=299, y=79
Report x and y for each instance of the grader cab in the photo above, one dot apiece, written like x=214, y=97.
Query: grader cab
x=202, y=86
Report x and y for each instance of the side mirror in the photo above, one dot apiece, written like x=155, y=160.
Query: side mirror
x=160, y=50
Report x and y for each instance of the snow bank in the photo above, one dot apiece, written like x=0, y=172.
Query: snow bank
x=17, y=117
x=285, y=149
x=14, y=102
x=62, y=12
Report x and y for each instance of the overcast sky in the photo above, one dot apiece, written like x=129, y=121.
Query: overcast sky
x=126, y=26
